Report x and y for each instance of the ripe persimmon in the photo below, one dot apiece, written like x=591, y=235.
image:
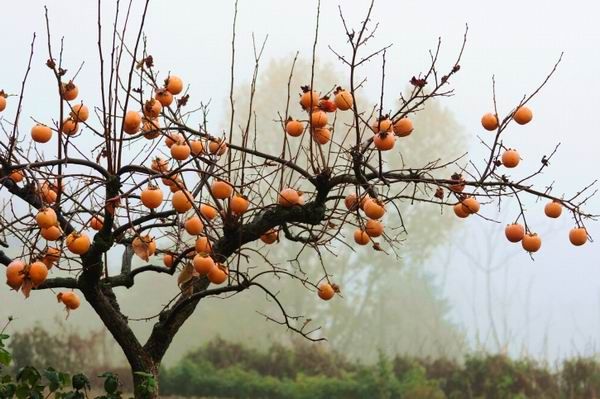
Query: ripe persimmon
x=69, y=299
x=37, y=273
x=363, y=200
x=150, y=128
x=288, y=197
x=196, y=147
x=578, y=236
x=238, y=204
x=531, y=242
x=471, y=205
x=17, y=176
x=218, y=274
x=132, y=122
x=523, y=115
x=321, y=135
x=15, y=274
x=217, y=147
x=221, y=189
x=2, y=101
x=343, y=99
x=384, y=141
x=553, y=209
x=203, y=263
x=403, y=127
x=351, y=202
x=182, y=201
x=152, y=108
x=382, y=125
x=175, y=184
x=78, y=243
x=194, y=225
x=79, y=113
x=172, y=138
x=325, y=104
x=510, y=158
x=203, y=245
x=309, y=99
x=152, y=197
x=325, y=291
x=361, y=237
x=514, y=232
x=209, y=212
x=69, y=91
x=460, y=210
x=270, y=236
x=180, y=151
x=46, y=217
x=164, y=97
x=168, y=260
x=294, y=127
x=48, y=196
x=70, y=127
x=41, y=133
x=318, y=119
x=373, y=228
x=489, y=121
x=374, y=209
x=51, y=233
x=174, y=84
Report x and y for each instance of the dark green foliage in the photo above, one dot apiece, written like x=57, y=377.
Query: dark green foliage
x=279, y=361
x=30, y=383
x=305, y=370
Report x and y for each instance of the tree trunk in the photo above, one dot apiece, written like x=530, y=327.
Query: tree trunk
x=144, y=367
x=145, y=379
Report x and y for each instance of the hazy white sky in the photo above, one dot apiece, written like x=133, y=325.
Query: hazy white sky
x=516, y=40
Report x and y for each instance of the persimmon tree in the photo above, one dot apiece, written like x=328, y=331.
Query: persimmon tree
x=141, y=171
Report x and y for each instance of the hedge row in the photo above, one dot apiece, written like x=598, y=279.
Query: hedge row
x=226, y=370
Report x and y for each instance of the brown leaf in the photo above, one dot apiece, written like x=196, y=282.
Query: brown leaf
x=26, y=287
x=186, y=275
x=149, y=61
x=182, y=102
x=439, y=193
x=417, y=82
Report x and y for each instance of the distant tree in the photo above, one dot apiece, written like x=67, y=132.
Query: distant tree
x=62, y=347
x=92, y=181
x=370, y=280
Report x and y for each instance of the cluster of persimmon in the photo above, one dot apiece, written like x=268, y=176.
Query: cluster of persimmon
x=510, y=158
x=373, y=209
x=42, y=133
x=25, y=276
x=317, y=108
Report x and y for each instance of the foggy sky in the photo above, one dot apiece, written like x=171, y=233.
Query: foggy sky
x=516, y=41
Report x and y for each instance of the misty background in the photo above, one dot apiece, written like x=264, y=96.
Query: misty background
x=458, y=285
